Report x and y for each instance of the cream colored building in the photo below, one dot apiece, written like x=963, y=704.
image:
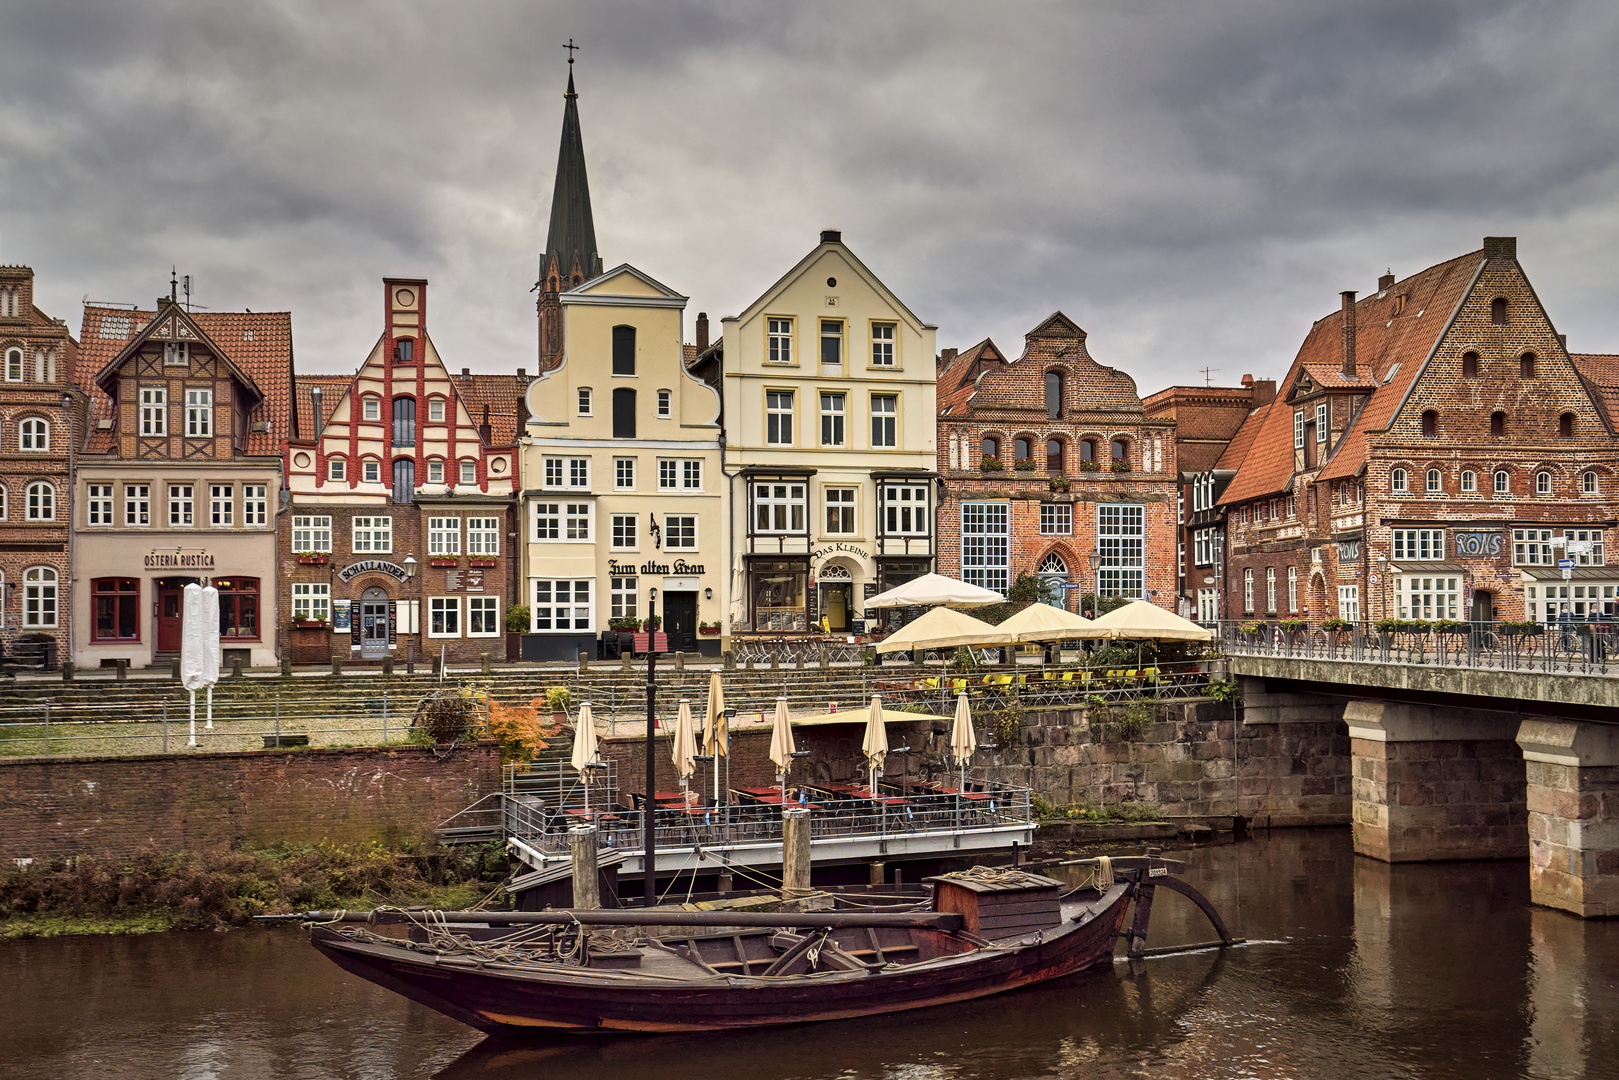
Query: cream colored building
x=830, y=417
x=623, y=493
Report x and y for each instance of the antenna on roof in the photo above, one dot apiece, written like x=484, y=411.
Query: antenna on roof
x=1208, y=375
x=185, y=284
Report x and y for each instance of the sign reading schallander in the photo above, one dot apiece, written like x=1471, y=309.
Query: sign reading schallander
x=180, y=560
x=373, y=566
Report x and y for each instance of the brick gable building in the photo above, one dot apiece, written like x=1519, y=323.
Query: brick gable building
x=41, y=419
x=1433, y=454
x=1051, y=466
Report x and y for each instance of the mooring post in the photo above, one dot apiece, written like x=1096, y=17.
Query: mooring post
x=795, y=853
x=47, y=729
x=165, y=727
x=586, y=880
x=278, y=718
x=385, y=717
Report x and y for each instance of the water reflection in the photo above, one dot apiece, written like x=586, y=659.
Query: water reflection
x=1358, y=969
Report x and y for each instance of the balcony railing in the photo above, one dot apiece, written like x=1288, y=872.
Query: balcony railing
x=1580, y=646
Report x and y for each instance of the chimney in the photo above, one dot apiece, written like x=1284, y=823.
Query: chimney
x=702, y=332
x=946, y=355
x=831, y=236
x=466, y=373
x=1349, y=333
x=522, y=373
x=1500, y=247
x=1264, y=391
x=1248, y=381
x=314, y=401
x=1386, y=282
x=485, y=431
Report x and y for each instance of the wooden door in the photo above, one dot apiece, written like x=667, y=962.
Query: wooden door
x=170, y=613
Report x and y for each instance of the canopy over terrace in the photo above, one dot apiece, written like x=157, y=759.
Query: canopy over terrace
x=932, y=589
x=1042, y=622
x=1141, y=620
x=944, y=628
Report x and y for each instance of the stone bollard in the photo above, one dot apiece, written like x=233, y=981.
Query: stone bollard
x=795, y=853
x=387, y=665
x=174, y=670
x=626, y=661
x=584, y=660
x=775, y=660
x=750, y=663
x=337, y=665
x=680, y=661
x=483, y=665
x=820, y=647
x=67, y=671
x=120, y=669
x=728, y=660
x=286, y=665
x=878, y=871
x=236, y=667
x=586, y=880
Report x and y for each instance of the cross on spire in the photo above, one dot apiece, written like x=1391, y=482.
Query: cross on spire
x=570, y=46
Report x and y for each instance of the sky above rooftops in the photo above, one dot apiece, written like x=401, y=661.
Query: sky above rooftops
x=1191, y=183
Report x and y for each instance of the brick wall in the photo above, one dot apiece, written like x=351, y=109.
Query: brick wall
x=58, y=807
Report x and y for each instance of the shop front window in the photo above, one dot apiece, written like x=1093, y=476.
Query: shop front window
x=117, y=603
x=238, y=607
x=778, y=598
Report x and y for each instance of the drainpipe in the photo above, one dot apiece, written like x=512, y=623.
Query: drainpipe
x=72, y=565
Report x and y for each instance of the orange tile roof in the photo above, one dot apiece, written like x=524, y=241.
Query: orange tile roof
x=258, y=343
x=1601, y=374
x=1237, y=449
x=332, y=389
x=502, y=395
x=1392, y=347
x=956, y=379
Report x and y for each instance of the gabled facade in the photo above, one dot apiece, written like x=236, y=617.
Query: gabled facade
x=830, y=445
x=179, y=478
x=1052, y=467
x=41, y=421
x=623, y=491
x=399, y=536
x=1435, y=453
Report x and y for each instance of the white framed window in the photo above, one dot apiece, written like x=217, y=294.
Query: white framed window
x=371, y=471
x=1321, y=422
x=1056, y=519
x=905, y=510
x=1298, y=428
x=182, y=505
x=221, y=506
x=1121, y=534
x=469, y=470
x=154, y=411
x=1203, y=547
x=337, y=467
x=1543, y=483
x=435, y=410
x=576, y=521
x=986, y=539
x=39, y=597
x=312, y=601
x=680, y=532
x=483, y=616
x=624, y=474
x=624, y=535
x=1248, y=590
x=1585, y=546
x=882, y=344
x=1270, y=588
x=373, y=535
x=668, y=474
x=584, y=401
x=561, y=604
x=832, y=419
x=483, y=536
x=680, y=474
x=780, y=344
x=831, y=343
x=571, y=472
x=1432, y=482
x=371, y=408
x=41, y=501
x=34, y=434
x=137, y=504
x=1532, y=547
x=1503, y=482
x=1469, y=482
x=444, y=536
x=691, y=474
x=885, y=420
x=1590, y=485
x=1292, y=588
x=840, y=516
x=778, y=507
x=1349, y=603
x=199, y=413
x=1428, y=598
x=176, y=354
x=435, y=470
x=562, y=522
x=444, y=616
x=255, y=504
x=97, y=504
x=1397, y=480
x=1418, y=545
x=622, y=591
x=14, y=365
x=312, y=534
x=665, y=405
x=779, y=417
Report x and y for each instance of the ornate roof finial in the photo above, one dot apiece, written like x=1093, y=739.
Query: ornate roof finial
x=570, y=46
x=174, y=284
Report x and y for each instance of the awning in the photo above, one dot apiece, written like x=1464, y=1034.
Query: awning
x=1577, y=573
x=1426, y=568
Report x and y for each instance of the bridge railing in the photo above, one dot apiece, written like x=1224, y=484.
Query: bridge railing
x=1572, y=646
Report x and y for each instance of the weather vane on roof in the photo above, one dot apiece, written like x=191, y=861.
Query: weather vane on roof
x=570, y=46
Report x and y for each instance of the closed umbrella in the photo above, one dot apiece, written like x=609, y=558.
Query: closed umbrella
x=584, y=747
x=210, y=646
x=930, y=589
x=875, y=747
x=963, y=740
x=716, y=729
x=684, y=743
x=198, y=627
x=781, y=744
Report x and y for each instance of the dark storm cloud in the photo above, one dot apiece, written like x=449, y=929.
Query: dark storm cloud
x=1192, y=182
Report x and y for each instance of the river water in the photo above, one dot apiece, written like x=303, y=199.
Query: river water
x=1355, y=969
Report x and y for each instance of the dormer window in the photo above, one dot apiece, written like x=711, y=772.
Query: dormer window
x=176, y=354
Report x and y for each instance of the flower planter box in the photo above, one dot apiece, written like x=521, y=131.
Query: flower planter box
x=710, y=632
x=300, y=624
x=314, y=560
x=485, y=563
x=451, y=563
x=1523, y=631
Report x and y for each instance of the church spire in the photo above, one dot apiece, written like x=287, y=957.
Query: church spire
x=570, y=246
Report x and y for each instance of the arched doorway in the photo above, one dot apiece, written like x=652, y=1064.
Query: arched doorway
x=375, y=623
x=1053, y=573
x=837, y=597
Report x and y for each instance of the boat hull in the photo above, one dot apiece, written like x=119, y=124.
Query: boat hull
x=517, y=1000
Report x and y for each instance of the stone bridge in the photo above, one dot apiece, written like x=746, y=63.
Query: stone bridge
x=1452, y=761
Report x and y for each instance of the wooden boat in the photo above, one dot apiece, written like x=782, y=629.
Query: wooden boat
x=987, y=932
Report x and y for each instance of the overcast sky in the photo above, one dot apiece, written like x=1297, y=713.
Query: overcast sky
x=1193, y=183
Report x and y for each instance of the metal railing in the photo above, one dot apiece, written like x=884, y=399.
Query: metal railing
x=1566, y=647
x=795, y=651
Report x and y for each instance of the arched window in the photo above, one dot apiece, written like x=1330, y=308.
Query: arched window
x=34, y=434
x=1054, y=570
x=1087, y=449
x=404, y=481
x=404, y=421
x=1432, y=481
x=1397, y=480
x=1469, y=482
x=14, y=365
x=5, y=505
x=1498, y=423
x=1543, y=483
x=623, y=350
x=1589, y=484
x=1053, y=394
x=39, y=597
x=435, y=409
x=1121, y=450
x=1430, y=422
x=41, y=501
x=1054, y=455
x=1526, y=365
x=1020, y=450
x=1498, y=310
x=1503, y=482
x=1470, y=365
x=992, y=448
x=1565, y=424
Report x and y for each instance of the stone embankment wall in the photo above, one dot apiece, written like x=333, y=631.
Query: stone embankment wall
x=1197, y=761
x=52, y=808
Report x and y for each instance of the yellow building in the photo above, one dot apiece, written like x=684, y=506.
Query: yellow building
x=830, y=417
x=623, y=497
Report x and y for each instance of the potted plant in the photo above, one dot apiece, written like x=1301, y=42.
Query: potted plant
x=1251, y=630
x=1059, y=483
x=1450, y=626
x=1024, y=464
x=990, y=464
x=627, y=625
x=1090, y=466
x=1521, y=629
x=308, y=624
x=1336, y=625
x=1291, y=628
x=708, y=628
x=557, y=699
x=1120, y=465
x=313, y=558
x=654, y=623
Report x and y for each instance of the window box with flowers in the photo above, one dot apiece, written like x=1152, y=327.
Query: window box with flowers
x=444, y=561
x=1120, y=465
x=308, y=624
x=313, y=558
x=1090, y=466
x=1024, y=464
x=708, y=628
x=1336, y=626
x=484, y=562
x=991, y=464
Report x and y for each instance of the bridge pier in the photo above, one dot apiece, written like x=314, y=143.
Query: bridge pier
x=1573, y=801
x=1435, y=783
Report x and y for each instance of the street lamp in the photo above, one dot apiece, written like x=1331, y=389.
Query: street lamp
x=649, y=890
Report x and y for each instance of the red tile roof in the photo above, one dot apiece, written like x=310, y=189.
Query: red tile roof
x=332, y=388
x=1237, y=449
x=502, y=395
x=1601, y=374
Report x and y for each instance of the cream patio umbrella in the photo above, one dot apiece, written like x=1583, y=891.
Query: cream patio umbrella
x=875, y=747
x=716, y=729
x=963, y=740
x=1139, y=620
x=930, y=589
x=943, y=628
x=584, y=748
x=1042, y=622
x=781, y=744
x=684, y=744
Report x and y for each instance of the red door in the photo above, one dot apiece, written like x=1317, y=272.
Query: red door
x=168, y=617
